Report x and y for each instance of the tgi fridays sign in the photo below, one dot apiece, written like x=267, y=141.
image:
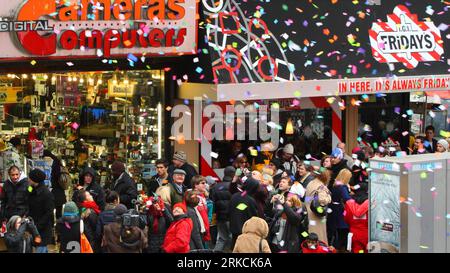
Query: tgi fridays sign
x=97, y=28
x=405, y=39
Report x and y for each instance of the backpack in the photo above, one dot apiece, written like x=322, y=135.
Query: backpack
x=321, y=196
x=65, y=179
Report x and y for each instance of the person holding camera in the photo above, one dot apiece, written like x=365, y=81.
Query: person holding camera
x=124, y=235
x=41, y=204
x=20, y=235
x=159, y=219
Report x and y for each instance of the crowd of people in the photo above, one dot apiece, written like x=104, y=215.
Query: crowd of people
x=286, y=206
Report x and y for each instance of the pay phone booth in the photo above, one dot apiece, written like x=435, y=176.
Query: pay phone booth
x=408, y=204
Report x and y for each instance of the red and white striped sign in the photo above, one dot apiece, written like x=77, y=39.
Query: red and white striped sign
x=404, y=39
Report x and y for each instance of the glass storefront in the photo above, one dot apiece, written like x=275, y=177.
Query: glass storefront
x=87, y=118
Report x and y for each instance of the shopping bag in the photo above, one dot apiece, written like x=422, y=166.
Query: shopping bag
x=85, y=246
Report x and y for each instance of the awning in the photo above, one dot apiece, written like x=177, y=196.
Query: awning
x=445, y=95
x=332, y=87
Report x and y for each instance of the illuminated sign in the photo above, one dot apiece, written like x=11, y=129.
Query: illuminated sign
x=101, y=28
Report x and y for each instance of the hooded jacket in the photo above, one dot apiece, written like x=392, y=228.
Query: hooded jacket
x=243, y=206
x=68, y=228
x=94, y=188
x=115, y=240
x=254, y=234
x=16, y=197
x=57, y=190
x=178, y=235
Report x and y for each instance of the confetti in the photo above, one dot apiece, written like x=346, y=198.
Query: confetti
x=30, y=188
x=305, y=234
x=33, y=62
x=423, y=175
x=214, y=155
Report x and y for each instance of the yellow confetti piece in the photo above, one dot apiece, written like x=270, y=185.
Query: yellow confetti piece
x=33, y=62
x=254, y=152
x=241, y=206
x=305, y=234
x=423, y=175
x=320, y=210
x=30, y=188
x=361, y=251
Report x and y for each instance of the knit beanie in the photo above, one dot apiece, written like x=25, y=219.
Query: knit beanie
x=180, y=155
x=120, y=209
x=37, y=176
x=444, y=143
x=180, y=205
x=70, y=208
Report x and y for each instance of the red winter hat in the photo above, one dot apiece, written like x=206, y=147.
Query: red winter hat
x=180, y=205
x=355, y=150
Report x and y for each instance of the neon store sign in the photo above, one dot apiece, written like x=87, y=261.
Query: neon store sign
x=112, y=27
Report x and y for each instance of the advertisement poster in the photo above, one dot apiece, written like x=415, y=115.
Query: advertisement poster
x=43, y=165
x=384, y=212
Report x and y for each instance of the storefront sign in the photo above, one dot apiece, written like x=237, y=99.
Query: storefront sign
x=403, y=38
x=100, y=28
x=334, y=87
x=385, y=166
x=9, y=94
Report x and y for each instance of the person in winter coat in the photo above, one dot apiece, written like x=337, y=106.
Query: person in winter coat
x=41, y=206
x=179, y=161
x=107, y=216
x=123, y=184
x=161, y=177
x=279, y=194
x=312, y=244
x=337, y=229
x=288, y=224
x=123, y=239
x=261, y=195
x=89, y=212
x=199, y=185
x=317, y=224
x=89, y=183
x=356, y=216
x=178, y=236
x=192, y=200
x=58, y=192
x=68, y=228
x=221, y=197
x=177, y=188
x=15, y=193
x=359, y=169
x=253, y=237
x=243, y=207
x=304, y=175
x=159, y=219
x=20, y=235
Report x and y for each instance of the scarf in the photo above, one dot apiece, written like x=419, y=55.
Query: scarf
x=156, y=214
x=178, y=188
x=200, y=218
x=91, y=205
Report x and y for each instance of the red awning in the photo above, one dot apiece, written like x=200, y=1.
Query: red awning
x=442, y=94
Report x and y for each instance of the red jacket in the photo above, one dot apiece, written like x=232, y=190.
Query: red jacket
x=356, y=216
x=322, y=248
x=178, y=236
x=203, y=210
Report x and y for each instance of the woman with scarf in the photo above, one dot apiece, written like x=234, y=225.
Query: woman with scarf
x=159, y=220
x=199, y=185
x=192, y=200
x=89, y=212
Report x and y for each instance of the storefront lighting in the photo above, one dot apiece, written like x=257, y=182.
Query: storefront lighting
x=81, y=80
x=53, y=79
x=24, y=76
x=91, y=81
x=159, y=128
x=69, y=79
x=99, y=81
x=74, y=79
x=126, y=82
x=34, y=77
x=115, y=82
x=289, y=127
x=45, y=77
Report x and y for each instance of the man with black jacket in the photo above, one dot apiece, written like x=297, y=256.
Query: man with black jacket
x=123, y=184
x=221, y=196
x=58, y=192
x=161, y=178
x=41, y=205
x=243, y=207
x=15, y=194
